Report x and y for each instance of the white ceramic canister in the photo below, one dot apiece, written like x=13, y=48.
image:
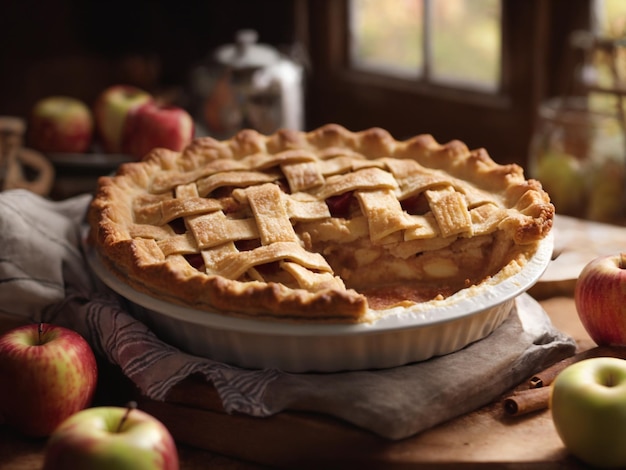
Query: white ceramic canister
x=249, y=85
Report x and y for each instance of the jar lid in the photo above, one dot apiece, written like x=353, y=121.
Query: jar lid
x=246, y=52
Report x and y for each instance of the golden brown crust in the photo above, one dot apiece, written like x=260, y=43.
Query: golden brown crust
x=138, y=252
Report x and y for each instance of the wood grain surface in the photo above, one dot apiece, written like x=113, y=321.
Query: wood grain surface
x=487, y=437
x=210, y=438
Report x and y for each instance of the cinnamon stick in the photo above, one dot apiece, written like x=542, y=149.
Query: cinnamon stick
x=527, y=401
x=547, y=376
x=537, y=396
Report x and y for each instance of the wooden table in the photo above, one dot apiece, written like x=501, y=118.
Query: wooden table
x=207, y=437
x=485, y=438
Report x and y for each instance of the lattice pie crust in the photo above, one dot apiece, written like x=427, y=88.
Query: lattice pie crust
x=329, y=225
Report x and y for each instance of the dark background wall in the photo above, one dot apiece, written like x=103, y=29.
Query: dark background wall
x=78, y=47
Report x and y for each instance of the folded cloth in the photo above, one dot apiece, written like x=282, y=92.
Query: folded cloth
x=44, y=276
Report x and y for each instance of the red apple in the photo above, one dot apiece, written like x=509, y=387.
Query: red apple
x=47, y=373
x=152, y=125
x=111, y=109
x=600, y=297
x=61, y=124
x=110, y=437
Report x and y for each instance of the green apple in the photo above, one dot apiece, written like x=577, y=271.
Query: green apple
x=111, y=437
x=111, y=110
x=608, y=190
x=588, y=405
x=563, y=178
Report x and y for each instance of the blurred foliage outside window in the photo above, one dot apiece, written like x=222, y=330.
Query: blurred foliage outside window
x=610, y=18
x=448, y=42
x=603, y=65
x=459, y=42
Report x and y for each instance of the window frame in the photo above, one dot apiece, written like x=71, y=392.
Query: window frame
x=423, y=77
x=535, y=56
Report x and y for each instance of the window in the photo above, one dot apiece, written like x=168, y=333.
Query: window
x=600, y=58
x=484, y=89
x=456, y=41
x=609, y=18
x=603, y=49
x=388, y=40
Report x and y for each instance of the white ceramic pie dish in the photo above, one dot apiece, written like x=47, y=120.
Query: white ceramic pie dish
x=399, y=338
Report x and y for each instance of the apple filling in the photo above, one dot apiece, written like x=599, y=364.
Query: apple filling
x=388, y=271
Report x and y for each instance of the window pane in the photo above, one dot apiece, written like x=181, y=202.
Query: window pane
x=610, y=24
x=451, y=42
x=610, y=18
x=386, y=36
x=466, y=42
x=604, y=68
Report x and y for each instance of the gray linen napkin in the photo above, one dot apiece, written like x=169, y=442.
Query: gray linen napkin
x=44, y=277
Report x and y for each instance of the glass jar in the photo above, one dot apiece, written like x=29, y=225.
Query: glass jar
x=579, y=156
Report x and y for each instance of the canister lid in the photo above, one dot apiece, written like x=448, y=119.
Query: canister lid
x=246, y=52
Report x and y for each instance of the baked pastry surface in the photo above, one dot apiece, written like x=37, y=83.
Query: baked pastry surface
x=328, y=225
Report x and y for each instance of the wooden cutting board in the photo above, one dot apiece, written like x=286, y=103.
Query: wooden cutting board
x=576, y=243
x=194, y=415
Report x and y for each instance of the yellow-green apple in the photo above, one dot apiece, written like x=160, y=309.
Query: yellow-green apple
x=600, y=298
x=47, y=373
x=111, y=437
x=588, y=406
x=61, y=124
x=607, y=189
x=562, y=176
x=111, y=109
x=154, y=125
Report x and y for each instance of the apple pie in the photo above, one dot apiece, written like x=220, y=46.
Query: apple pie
x=328, y=225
